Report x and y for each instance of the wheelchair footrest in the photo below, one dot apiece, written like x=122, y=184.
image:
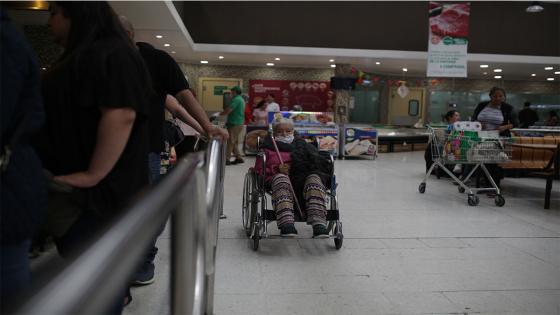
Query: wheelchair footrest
x=332, y=215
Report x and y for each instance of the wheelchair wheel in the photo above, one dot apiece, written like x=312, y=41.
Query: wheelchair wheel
x=246, y=205
x=339, y=237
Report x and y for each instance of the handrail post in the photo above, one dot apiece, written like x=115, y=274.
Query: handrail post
x=214, y=202
x=188, y=241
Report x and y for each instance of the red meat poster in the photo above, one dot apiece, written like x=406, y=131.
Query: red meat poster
x=312, y=96
x=448, y=39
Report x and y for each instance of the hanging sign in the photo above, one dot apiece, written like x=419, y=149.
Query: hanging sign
x=448, y=39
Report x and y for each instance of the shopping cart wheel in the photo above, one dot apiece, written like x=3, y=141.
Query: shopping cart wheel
x=499, y=201
x=461, y=189
x=473, y=200
x=422, y=188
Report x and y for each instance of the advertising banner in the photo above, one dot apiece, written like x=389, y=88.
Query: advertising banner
x=360, y=141
x=448, y=39
x=310, y=95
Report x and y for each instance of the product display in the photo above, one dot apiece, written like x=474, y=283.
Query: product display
x=359, y=142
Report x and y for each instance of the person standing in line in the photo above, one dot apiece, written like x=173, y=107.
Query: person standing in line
x=271, y=105
x=234, y=124
x=169, y=84
x=23, y=192
x=527, y=116
x=97, y=106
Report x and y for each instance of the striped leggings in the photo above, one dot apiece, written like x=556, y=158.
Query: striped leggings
x=283, y=200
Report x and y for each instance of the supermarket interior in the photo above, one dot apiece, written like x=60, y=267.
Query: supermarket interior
x=429, y=130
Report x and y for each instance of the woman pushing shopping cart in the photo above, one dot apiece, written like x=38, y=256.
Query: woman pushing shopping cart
x=467, y=144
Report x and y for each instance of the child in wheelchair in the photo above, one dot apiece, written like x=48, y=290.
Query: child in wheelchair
x=298, y=165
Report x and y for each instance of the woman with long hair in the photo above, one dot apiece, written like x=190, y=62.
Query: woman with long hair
x=95, y=137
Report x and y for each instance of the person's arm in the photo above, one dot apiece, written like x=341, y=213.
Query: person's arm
x=113, y=132
x=189, y=102
x=177, y=110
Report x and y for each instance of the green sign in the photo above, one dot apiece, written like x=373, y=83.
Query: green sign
x=219, y=89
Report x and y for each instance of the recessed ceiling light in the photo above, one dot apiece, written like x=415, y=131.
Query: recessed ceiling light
x=533, y=74
x=497, y=70
x=43, y=68
x=270, y=64
x=333, y=66
x=277, y=59
x=535, y=7
x=556, y=72
x=485, y=73
x=377, y=63
x=497, y=77
x=548, y=68
x=220, y=57
x=404, y=69
x=550, y=79
x=166, y=45
x=173, y=52
x=484, y=66
x=159, y=36
x=203, y=61
x=331, y=60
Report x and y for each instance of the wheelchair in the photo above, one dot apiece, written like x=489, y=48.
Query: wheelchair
x=256, y=216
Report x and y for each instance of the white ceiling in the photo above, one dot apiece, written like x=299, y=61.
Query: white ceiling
x=151, y=18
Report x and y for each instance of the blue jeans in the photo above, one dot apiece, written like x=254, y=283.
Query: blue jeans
x=154, y=164
x=15, y=275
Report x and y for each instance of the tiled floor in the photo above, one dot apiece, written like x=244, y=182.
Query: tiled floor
x=403, y=252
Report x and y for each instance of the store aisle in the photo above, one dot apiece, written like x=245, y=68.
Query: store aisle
x=403, y=253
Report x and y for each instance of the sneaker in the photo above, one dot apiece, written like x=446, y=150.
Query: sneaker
x=145, y=275
x=458, y=169
x=320, y=231
x=288, y=230
x=239, y=161
x=228, y=162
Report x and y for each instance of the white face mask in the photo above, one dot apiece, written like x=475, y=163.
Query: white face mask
x=285, y=139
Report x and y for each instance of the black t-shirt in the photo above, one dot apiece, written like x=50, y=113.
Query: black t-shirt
x=167, y=78
x=73, y=99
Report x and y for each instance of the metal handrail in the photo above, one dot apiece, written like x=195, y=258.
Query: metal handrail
x=89, y=284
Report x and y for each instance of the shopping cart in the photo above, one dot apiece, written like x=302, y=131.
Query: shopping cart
x=468, y=147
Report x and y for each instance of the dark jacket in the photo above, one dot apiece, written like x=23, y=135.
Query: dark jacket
x=22, y=185
x=507, y=112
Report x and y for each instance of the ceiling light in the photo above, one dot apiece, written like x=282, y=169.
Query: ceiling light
x=548, y=68
x=497, y=77
x=159, y=36
x=203, y=61
x=333, y=66
x=166, y=45
x=484, y=66
x=497, y=70
x=533, y=74
x=220, y=57
x=556, y=72
x=549, y=79
x=270, y=64
x=331, y=60
x=277, y=59
x=485, y=73
x=404, y=69
x=377, y=63
x=43, y=68
x=535, y=7
x=173, y=52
